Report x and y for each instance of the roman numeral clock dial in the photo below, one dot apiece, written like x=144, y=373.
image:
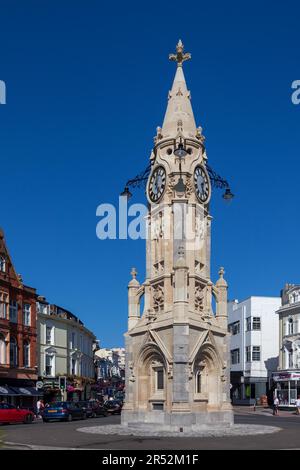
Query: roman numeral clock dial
x=157, y=184
x=202, y=184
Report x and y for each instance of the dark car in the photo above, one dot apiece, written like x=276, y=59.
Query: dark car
x=113, y=407
x=93, y=408
x=63, y=411
x=11, y=414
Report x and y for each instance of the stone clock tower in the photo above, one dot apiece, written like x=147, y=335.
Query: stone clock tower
x=177, y=359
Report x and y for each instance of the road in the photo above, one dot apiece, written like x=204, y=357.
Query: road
x=65, y=435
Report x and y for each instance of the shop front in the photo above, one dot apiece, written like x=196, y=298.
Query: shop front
x=51, y=390
x=287, y=387
x=22, y=396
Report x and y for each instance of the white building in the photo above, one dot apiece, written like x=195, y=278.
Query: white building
x=65, y=348
x=287, y=378
x=254, y=350
x=111, y=362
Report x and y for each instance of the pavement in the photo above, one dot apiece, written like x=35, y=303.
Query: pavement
x=61, y=435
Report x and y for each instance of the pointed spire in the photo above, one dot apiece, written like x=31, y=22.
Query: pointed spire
x=179, y=115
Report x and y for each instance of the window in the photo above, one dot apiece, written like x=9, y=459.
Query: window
x=73, y=339
x=2, y=264
x=13, y=311
x=255, y=353
x=290, y=357
x=248, y=353
x=235, y=356
x=43, y=308
x=253, y=323
x=256, y=323
x=13, y=352
x=3, y=304
x=198, y=381
x=290, y=326
x=26, y=354
x=49, y=363
x=2, y=350
x=26, y=314
x=234, y=328
x=49, y=334
x=73, y=366
x=159, y=379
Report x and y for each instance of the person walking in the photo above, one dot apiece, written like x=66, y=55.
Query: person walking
x=298, y=405
x=275, y=406
x=40, y=408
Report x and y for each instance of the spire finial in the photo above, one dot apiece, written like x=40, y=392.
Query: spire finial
x=221, y=272
x=180, y=56
x=133, y=273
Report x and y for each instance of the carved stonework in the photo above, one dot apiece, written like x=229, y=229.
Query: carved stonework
x=199, y=228
x=132, y=376
x=158, y=297
x=199, y=298
x=171, y=185
x=188, y=186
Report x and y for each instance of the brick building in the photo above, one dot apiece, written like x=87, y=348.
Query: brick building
x=18, y=333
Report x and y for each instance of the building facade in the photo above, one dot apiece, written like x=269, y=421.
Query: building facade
x=65, y=349
x=254, y=329
x=18, y=334
x=287, y=378
x=177, y=368
x=110, y=365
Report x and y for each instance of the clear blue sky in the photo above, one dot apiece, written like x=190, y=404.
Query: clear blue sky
x=87, y=85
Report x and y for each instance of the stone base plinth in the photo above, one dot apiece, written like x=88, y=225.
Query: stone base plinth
x=181, y=422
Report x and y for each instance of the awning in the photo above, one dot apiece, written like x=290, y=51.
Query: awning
x=7, y=391
x=27, y=392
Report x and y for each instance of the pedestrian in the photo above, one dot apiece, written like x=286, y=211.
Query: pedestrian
x=298, y=405
x=275, y=406
x=40, y=408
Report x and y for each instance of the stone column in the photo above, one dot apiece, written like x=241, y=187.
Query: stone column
x=180, y=402
x=133, y=301
x=222, y=287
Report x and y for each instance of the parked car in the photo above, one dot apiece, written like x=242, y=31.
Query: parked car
x=93, y=408
x=113, y=407
x=63, y=411
x=11, y=414
x=120, y=396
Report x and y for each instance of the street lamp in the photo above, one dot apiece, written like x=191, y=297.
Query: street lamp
x=228, y=196
x=180, y=151
x=126, y=193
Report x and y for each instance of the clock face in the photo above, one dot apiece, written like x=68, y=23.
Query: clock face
x=157, y=184
x=202, y=184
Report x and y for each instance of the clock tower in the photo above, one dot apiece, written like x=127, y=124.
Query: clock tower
x=177, y=358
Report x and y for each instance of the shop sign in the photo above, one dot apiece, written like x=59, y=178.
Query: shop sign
x=286, y=376
x=3, y=390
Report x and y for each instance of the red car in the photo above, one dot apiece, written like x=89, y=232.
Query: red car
x=11, y=414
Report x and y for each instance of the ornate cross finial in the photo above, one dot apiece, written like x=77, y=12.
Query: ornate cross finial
x=133, y=273
x=180, y=56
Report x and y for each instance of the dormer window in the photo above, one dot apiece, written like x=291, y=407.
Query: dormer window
x=2, y=264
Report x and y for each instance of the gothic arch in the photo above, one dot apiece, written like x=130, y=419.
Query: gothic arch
x=152, y=373
x=207, y=371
